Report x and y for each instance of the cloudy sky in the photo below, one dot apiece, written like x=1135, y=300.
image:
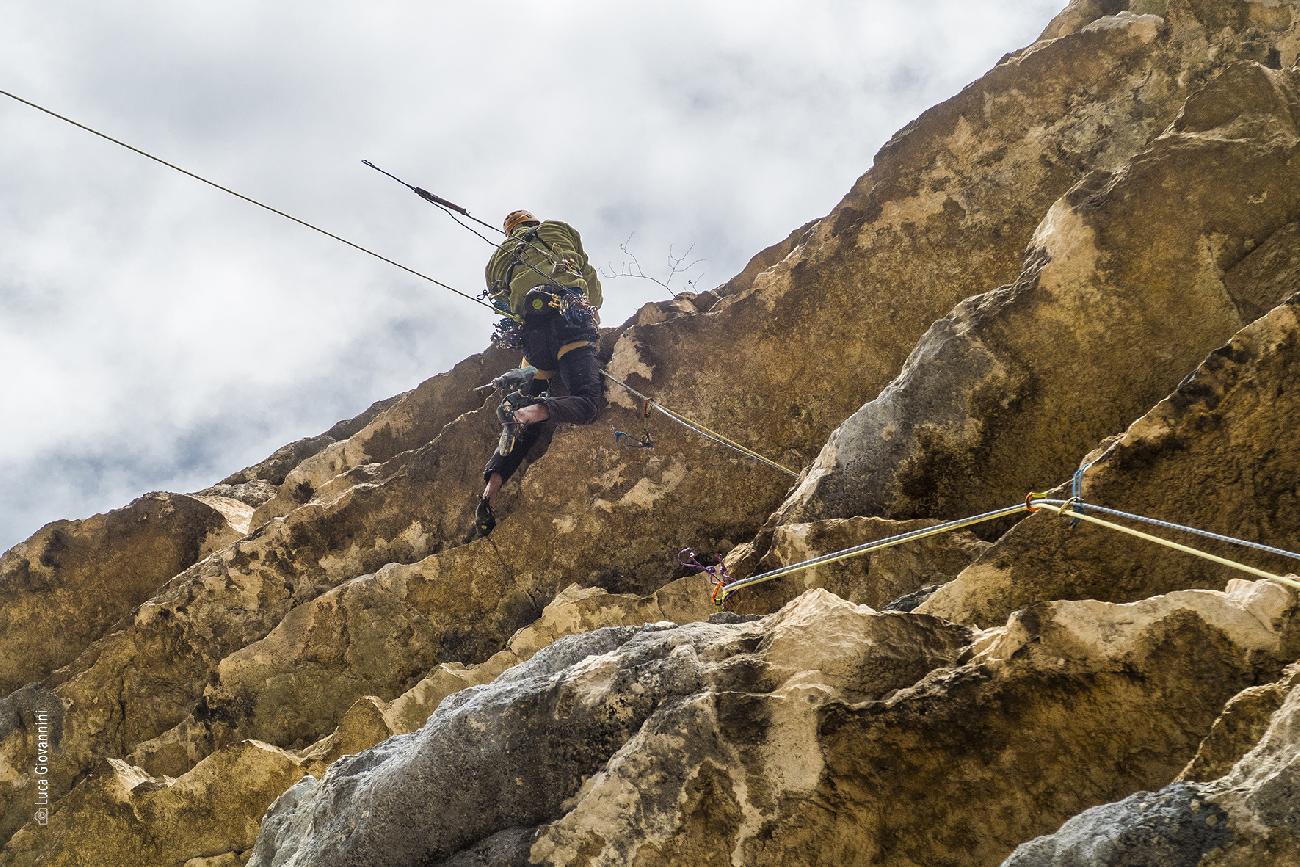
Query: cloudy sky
x=157, y=334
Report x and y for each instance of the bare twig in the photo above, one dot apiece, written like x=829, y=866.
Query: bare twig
x=678, y=266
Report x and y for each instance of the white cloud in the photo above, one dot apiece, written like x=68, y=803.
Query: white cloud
x=156, y=333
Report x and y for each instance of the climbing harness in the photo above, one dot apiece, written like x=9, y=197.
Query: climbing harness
x=717, y=573
x=511, y=332
x=568, y=302
x=1071, y=508
x=1074, y=508
x=506, y=330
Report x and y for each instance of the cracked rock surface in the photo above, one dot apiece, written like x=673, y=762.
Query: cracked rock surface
x=1090, y=253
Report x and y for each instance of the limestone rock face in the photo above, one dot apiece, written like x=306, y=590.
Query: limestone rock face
x=1247, y=816
x=876, y=579
x=390, y=494
x=63, y=587
x=257, y=484
x=588, y=698
x=1242, y=723
x=798, y=737
x=1144, y=152
x=1224, y=438
x=122, y=815
x=400, y=424
x=1005, y=393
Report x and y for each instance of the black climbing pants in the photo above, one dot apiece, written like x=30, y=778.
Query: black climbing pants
x=564, y=352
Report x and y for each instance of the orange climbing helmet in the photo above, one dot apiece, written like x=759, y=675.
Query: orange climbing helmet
x=515, y=219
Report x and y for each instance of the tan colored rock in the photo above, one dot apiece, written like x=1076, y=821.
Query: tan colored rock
x=175, y=751
x=1265, y=24
x=227, y=859
x=1258, y=795
x=950, y=771
x=945, y=212
x=370, y=720
x=330, y=655
x=238, y=514
x=1214, y=455
x=1270, y=271
x=68, y=583
x=1004, y=394
x=576, y=697
x=254, y=486
x=401, y=424
x=1244, y=817
x=813, y=736
x=135, y=684
x=1244, y=720
x=120, y=815
x=875, y=579
x=363, y=725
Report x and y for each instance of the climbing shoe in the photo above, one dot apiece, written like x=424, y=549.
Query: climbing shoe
x=485, y=520
x=510, y=428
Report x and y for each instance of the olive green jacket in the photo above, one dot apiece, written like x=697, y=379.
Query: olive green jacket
x=552, y=248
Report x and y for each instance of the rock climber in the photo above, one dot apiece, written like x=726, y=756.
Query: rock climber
x=541, y=274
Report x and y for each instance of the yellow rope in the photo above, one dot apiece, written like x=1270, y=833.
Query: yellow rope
x=868, y=548
x=1032, y=503
x=1064, y=511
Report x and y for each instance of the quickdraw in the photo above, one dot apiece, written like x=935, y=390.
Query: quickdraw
x=625, y=439
x=717, y=573
x=508, y=330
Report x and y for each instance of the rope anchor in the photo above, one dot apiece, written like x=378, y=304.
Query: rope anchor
x=1073, y=509
x=717, y=573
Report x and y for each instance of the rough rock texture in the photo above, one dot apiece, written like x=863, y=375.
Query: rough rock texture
x=1152, y=146
x=242, y=777
x=1170, y=828
x=389, y=428
x=259, y=483
x=874, y=579
x=946, y=209
x=589, y=698
x=772, y=739
x=1219, y=453
x=365, y=647
x=1244, y=720
x=120, y=814
x=1245, y=817
x=1005, y=393
x=70, y=581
